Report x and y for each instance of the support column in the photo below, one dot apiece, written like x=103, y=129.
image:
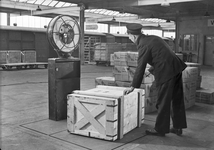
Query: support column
x=109, y=28
x=177, y=34
x=8, y=19
x=81, y=47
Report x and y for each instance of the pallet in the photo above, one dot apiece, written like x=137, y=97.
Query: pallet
x=10, y=66
x=104, y=112
x=106, y=63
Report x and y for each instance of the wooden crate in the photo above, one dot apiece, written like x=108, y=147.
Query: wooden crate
x=205, y=96
x=104, y=112
x=110, y=81
x=28, y=56
x=3, y=57
x=102, y=51
x=14, y=56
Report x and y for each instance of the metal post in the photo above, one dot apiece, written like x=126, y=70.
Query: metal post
x=81, y=47
x=8, y=19
x=177, y=33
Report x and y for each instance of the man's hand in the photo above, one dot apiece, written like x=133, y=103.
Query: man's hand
x=128, y=90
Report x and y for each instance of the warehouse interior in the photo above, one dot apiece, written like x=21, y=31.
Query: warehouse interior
x=36, y=88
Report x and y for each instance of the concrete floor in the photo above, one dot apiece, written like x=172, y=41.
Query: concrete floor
x=25, y=124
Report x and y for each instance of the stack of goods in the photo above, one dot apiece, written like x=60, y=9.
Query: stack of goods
x=104, y=112
x=190, y=76
x=102, y=51
x=205, y=96
x=199, y=77
x=125, y=64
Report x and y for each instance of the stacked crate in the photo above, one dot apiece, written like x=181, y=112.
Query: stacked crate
x=189, y=77
x=125, y=64
x=121, y=70
x=104, y=112
x=109, y=81
x=124, y=67
x=199, y=77
x=102, y=51
x=124, y=77
x=205, y=96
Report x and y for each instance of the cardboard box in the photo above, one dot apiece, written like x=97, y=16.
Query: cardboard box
x=108, y=81
x=148, y=77
x=190, y=74
x=120, y=63
x=120, y=56
x=189, y=90
x=104, y=112
x=102, y=51
x=205, y=96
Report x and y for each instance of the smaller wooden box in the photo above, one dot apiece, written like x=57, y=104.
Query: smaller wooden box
x=104, y=112
x=205, y=96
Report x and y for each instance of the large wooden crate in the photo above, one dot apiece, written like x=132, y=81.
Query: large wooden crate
x=104, y=112
x=28, y=56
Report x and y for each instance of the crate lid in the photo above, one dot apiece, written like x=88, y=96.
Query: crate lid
x=104, y=91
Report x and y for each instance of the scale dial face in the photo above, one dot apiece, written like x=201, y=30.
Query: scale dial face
x=64, y=33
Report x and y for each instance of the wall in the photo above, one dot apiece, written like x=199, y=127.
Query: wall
x=20, y=39
x=199, y=26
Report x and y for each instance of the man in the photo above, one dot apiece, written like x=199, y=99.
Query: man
x=167, y=69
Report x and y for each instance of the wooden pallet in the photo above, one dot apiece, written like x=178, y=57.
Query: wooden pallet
x=104, y=112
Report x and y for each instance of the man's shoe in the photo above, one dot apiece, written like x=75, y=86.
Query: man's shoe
x=176, y=131
x=154, y=132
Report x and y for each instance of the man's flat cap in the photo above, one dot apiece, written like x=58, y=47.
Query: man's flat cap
x=134, y=28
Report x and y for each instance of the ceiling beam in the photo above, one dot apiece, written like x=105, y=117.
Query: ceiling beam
x=17, y=5
x=72, y=13
x=157, y=2
x=123, y=3
x=72, y=10
x=121, y=19
x=57, y=10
